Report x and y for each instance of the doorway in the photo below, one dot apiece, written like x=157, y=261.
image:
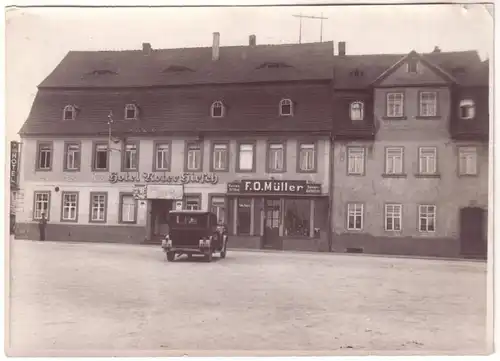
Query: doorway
x=272, y=223
x=159, y=217
x=473, y=232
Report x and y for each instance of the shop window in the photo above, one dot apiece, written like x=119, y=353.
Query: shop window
x=297, y=217
x=244, y=215
x=218, y=206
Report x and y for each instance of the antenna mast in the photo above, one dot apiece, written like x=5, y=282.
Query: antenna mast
x=321, y=18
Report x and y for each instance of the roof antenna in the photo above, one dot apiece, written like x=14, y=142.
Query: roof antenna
x=321, y=18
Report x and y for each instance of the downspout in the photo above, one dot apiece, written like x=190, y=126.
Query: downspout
x=330, y=191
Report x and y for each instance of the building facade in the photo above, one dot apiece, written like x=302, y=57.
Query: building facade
x=117, y=139
x=411, y=154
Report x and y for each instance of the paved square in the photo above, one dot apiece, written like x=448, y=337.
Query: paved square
x=125, y=297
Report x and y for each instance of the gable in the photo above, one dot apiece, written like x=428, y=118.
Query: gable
x=426, y=74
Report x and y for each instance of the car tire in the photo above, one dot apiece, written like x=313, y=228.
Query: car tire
x=170, y=256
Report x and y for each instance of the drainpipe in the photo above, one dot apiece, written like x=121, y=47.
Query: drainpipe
x=330, y=192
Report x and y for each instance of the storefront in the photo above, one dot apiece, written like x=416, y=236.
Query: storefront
x=278, y=214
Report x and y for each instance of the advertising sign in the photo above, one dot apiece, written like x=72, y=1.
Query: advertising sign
x=274, y=187
x=14, y=163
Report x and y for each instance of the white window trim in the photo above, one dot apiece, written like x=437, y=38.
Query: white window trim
x=307, y=148
x=388, y=114
x=250, y=151
x=70, y=151
x=434, y=103
x=361, y=108
x=129, y=107
x=103, y=213
x=217, y=163
x=470, y=153
x=35, y=195
x=71, y=108
x=470, y=104
x=387, y=151
x=192, y=199
x=420, y=206
x=129, y=206
x=193, y=156
x=421, y=150
x=44, y=148
x=217, y=104
x=394, y=215
x=284, y=102
x=133, y=153
x=355, y=214
x=98, y=149
x=65, y=206
x=164, y=149
x=274, y=160
x=350, y=157
x=417, y=66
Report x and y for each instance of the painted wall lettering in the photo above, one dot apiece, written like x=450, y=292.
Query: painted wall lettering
x=273, y=186
x=185, y=178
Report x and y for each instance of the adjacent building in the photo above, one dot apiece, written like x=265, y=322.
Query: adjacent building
x=116, y=139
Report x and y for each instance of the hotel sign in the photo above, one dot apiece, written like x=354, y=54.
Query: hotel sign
x=274, y=187
x=161, y=178
x=14, y=163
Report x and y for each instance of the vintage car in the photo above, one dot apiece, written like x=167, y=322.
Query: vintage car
x=194, y=232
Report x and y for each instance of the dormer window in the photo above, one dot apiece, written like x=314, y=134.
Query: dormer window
x=131, y=111
x=357, y=111
x=467, y=109
x=217, y=109
x=69, y=112
x=286, y=107
x=412, y=66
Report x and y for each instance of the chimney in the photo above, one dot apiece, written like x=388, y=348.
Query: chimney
x=437, y=49
x=252, y=40
x=341, y=48
x=215, y=47
x=146, y=48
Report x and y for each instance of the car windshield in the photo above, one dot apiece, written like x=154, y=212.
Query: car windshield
x=188, y=220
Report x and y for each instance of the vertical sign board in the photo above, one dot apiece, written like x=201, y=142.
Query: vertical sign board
x=14, y=164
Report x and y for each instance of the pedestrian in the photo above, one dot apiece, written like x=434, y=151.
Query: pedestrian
x=42, y=225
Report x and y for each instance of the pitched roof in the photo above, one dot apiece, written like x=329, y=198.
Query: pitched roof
x=188, y=66
x=369, y=67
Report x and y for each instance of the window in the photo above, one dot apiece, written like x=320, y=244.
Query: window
x=220, y=157
x=193, y=202
x=44, y=161
x=467, y=109
x=307, y=157
x=355, y=161
x=394, y=160
x=162, y=159
x=128, y=208
x=217, y=109
x=467, y=158
x=69, y=206
x=193, y=160
x=246, y=157
x=426, y=218
x=427, y=160
x=393, y=217
x=244, y=215
x=297, y=217
x=98, y=207
x=100, y=157
x=276, y=157
x=412, y=66
x=286, y=107
x=355, y=216
x=130, y=157
x=72, y=159
x=428, y=104
x=69, y=112
x=130, y=111
x=357, y=111
x=218, y=206
x=42, y=205
x=395, y=105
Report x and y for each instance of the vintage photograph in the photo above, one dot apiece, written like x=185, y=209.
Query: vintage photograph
x=262, y=180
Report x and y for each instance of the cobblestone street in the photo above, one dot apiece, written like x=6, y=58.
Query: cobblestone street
x=78, y=297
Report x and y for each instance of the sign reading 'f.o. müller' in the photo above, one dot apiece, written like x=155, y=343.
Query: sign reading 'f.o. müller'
x=274, y=186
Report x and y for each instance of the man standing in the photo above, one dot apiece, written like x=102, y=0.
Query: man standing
x=42, y=225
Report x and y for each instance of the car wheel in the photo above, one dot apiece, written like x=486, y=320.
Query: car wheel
x=170, y=256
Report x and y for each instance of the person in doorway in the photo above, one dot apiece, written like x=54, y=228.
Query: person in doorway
x=42, y=225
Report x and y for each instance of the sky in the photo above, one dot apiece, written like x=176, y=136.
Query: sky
x=37, y=39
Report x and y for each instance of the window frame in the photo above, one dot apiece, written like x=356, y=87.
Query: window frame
x=135, y=143
x=436, y=104
x=470, y=104
x=270, y=143
x=253, y=144
x=435, y=151
x=197, y=196
x=50, y=146
x=361, y=110
x=213, y=144
x=427, y=224
x=33, y=213
x=156, y=145
x=77, y=205
x=301, y=143
x=120, y=208
x=67, y=145
x=71, y=108
x=237, y=220
x=211, y=196
x=96, y=144
x=348, y=151
x=386, y=165
x=187, y=144
x=218, y=104
x=460, y=150
x=128, y=107
x=92, y=194
x=395, y=116
x=348, y=215
x=413, y=62
x=286, y=102
x=386, y=213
